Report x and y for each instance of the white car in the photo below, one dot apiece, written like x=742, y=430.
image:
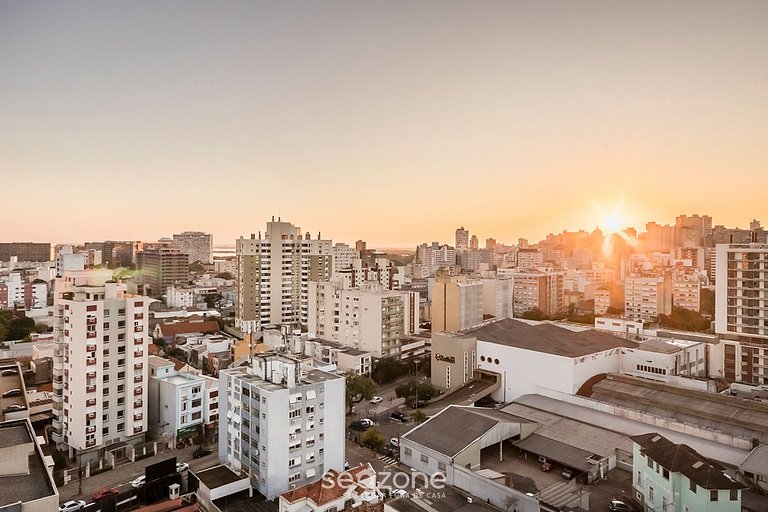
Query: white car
x=398, y=493
x=395, y=442
x=376, y=400
x=72, y=506
x=368, y=422
x=181, y=466
x=138, y=482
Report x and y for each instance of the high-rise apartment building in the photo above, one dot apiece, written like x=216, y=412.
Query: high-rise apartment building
x=741, y=302
x=282, y=423
x=462, y=239
x=686, y=289
x=646, y=296
x=544, y=291
x=343, y=257
x=25, y=251
x=162, y=266
x=273, y=274
x=529, y=258
x=100, y=362
x=196, y=244
x=457, y=302
x=693, y=231
x=371, y=318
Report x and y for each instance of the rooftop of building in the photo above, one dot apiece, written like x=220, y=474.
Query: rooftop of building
x=330, y=487
x=681, y=458
x=173, y=329
x=548, y=410
x=307, y=376
x=440, y=434
x=548, y=338
x=745, y=419
x=13, y=380
x=451, y=500
x=217, y=476
x=28, y=487
x=756, y=461
x=665, y=346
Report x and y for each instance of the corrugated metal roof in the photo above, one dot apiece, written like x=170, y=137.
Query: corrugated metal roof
x=556, y=451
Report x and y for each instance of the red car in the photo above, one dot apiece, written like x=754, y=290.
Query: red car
x=104, y=493
x=546, y=467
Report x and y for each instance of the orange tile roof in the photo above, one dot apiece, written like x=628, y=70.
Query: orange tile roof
x=328, y=488
x=189, y=327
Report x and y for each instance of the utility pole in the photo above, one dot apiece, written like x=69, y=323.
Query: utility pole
x=79, y=473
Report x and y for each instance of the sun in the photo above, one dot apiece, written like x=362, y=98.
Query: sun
x=612, y=223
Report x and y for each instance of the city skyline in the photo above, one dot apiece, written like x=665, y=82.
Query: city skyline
x=382, y=121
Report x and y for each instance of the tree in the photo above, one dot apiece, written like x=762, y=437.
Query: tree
x=613, y=311
x=41, y=328
x=685, y=319
x=211, y=299
x=373, y=439
x=359, y=387
x=224, y=275
x=534, y=314
x=196, y=267
x=418, y=416
x=422, y=391
x=19, y=328
x=388, y=369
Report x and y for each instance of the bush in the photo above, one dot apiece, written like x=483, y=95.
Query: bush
x=59, y=460
x=103, y=469
x=148, y=453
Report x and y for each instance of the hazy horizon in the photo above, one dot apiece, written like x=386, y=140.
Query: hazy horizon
x=393, y=122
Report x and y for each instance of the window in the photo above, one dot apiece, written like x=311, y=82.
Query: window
x=734, y=495
x=665, y=473
x=424, y=459
x=650, y=463
x=640, y=478
x=692, y=486
x=441, y=466
x=650, y=493
x=713, y=495
x=120, y=427
x=407, y=451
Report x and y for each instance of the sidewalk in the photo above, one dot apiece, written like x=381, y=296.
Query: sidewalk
x=122, y=476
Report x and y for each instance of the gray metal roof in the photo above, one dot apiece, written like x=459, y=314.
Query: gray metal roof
x=548, y=338
x=731, y=415
x=757, y=461
x=711, y=449
x=555, y=450
x=455, y=428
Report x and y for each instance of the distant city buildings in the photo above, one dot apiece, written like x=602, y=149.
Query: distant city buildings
x=457, y=302
x=196, y=244
x=273, y=275
x=161, y=266
x=538, y=290
x=646, y=296
x=25, y=251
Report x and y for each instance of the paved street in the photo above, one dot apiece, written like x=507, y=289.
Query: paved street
x=122, y=476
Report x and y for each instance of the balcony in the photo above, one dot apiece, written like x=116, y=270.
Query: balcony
x=138, y=341
x=91, y=375
x=90, y=348
x=90, y=334
x=138, y=353
x=56, y=424
x=137, y=429
x=56, y=437
x=90, y=321
x=91, y=388
x=91, y=361
x=138, y=404
x=138, y=316
x=138, y=391
x=137, y=417
x=90, y=442
x=58, y=385
x=57, y=398
x=90, y=430
x=138, y=328
x=90, y=402
x=90, y=416
x=138, y=366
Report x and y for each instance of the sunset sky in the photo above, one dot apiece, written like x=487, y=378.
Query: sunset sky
x=391, y=121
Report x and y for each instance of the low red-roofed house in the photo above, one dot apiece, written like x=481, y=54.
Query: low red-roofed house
x=335, y=491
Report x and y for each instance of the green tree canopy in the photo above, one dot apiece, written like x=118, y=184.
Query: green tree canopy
x=359, y=387
x=373, y=439
x=686, y=320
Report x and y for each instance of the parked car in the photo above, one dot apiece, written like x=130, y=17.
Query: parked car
x=72, y=506
x=546, y=467
x=398, y=493
x=181, y=466
x=14, y=408
x=202, y=452
x=399, y=416
x=6, y=373
x=620, y=506
x=139, y=482
x=346, y=465
x=395, y=441
x=368, y=422
x=567, y=473
x=359, y=425
x=104, y=493
x=376, y=400
x=12, y=392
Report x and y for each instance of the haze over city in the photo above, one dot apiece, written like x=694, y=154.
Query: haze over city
x=392, y=121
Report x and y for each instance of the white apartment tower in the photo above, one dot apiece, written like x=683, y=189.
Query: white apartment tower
x=281, y=423
x=371, y=318
x=741, y=303
x=100, y=362
x=273, y=275
x=196, y=244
